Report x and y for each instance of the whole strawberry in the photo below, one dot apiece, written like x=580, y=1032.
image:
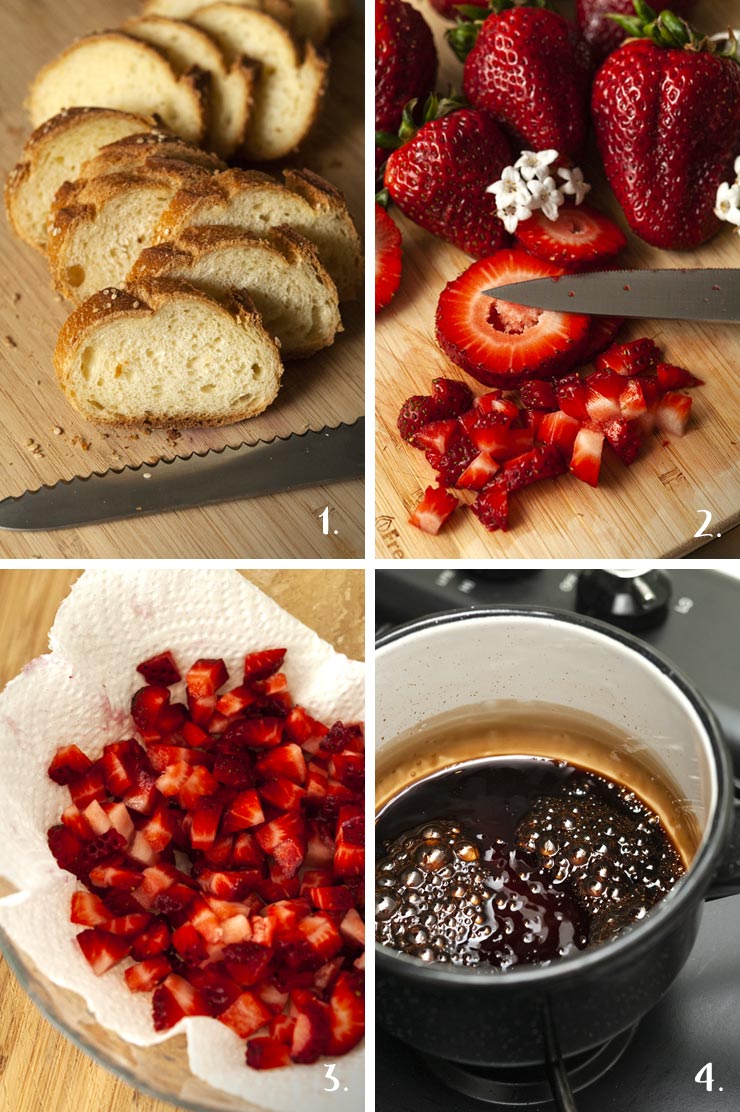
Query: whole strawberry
x=438, y=177
x=405, y=62
x=603, y=34
x=666, y=107
x=530, y=69
x=450, y=9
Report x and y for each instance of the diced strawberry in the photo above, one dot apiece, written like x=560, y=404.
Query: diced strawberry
x=88, y=910
x=89, y=786
x=454, y=461
x=281, y=1028
x=585, y=462
x=543, y=462
x=128, y=925
x=99, y=848
x=331, y=899
x=120, y=819
x=65, y=847
x=236, y=771
x=171, y=719
x=201, y=709
x=247, y=851
x=121, y=759
x=491, y=507
x=152, y=941
x=624, y=437
x=435, y=507
x=143, y=796
x=234, y=701
x=629, y=359
x=500, y=442
x=68, y=763
x=276, y=684
x=349, y=769
x=300, y=726
x=114, y=876
x=603, y=389
x=217, y=988
x=146, y=705
x=174, y=777
x=229, y=885
x=321, y=848
x=571, y=393
x=311, y=1032
x=247, y=962
x=558, y=429
x=437, y=436
x=632, y=401
x=221, y=853
x=537, y=393
x=451, y=396
x=75, y=821
x=174, y=999
x=352, y=929
x=264, y=1053
x=284, y=839
x=347, y=1013
x=235, y=929
x=120, y=903
x=263, y=929
x=349, y=860
x=286, y=762
x=262, y=733
x=198, y=785
x=203, y=831
x=321, y=934
x=344, y=736
x=147, y=974
x=162, y=756
x=675, y=378
x=283, y=794
x=205, y=677
x=672, y=415
x=479, y=472
x=160, y=670
x=140, y=850
x=102, y=950
x=245, y=811
x=258, y=666
x=189, y=944
x=204, y=919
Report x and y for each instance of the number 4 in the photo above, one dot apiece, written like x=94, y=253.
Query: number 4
x=705, y=1076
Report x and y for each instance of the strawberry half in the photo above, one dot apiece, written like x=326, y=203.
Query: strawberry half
x=387, y=258
x=580, y=239
x=499, y=343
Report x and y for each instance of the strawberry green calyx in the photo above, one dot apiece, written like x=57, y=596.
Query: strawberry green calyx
x=462, y=36
x=435, y=108
x=667, y=30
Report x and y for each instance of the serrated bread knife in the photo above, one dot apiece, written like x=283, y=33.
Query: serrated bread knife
x=299, y=460
x=709, y=295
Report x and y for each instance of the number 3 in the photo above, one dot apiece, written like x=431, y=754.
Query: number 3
x=704, y=525
x=330, y=1077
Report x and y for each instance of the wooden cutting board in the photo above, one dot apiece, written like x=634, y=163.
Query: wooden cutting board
x=649, y=510
x=320, y=391
x=40, y=1069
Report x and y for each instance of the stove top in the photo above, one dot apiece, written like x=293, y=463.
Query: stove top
x=695, y=1030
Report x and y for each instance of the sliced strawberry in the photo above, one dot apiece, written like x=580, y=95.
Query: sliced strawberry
x=332, y=899
x=265, y=1053
x=501, y=442
x=631, y=358
x=672, y=415
x=189, y=944
x=284, y=839
x=286, y=762
x=387, y=258
x=673, y=378
x=310, y=1033
x=580, y=238
x=478, y=472
x=146, y=705
x=152, y=941
x=128, y=925
x=491, y=507
x=499, y=343
x=492, y=405
x=115, y=876
x=236, y=771
x=75, y=821
x=89, y=786
x=160, y=670
x=586, y=459
x=247, y=851
x=245, y=811
x=227, y=884
x=603, y=390
x=199, y=784
x=572, y=393
x=204, y=828
x=352, y=929
x=283, y=794
x=437, y=436
x=452, y=397
x=321, y=934
x=147, y=974
x=68, y=763
x=343, y=736
x=633, y=401
x=262, y=733
x=435, y=507
x=347, y=1013
x=538, y=394
x=281, y=1027
x=261, y=665
x=89, y=910
x=543, y=462
x=102, y=951
x=559, y=430
x=121, y=761
x=235, y=701
x=143, y=796
x=454, y=461
x=349, y=769
x=205, y=677
x=202, y=709
x=624, y=437
x=349, y=860
x=247, y=962
x=174, y=999
x=174, y=777
x=99, y=848
x=217, y=988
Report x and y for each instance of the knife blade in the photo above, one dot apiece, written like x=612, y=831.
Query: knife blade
x=708, y=295
x=219, y=475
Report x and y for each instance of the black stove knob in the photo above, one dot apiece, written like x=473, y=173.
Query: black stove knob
x=518, y=573
x=631, y=599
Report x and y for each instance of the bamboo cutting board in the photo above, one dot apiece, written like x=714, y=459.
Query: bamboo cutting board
x=40, y=1069
x=649, y=510
x=42, y=439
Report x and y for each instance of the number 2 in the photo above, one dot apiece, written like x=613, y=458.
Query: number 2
x=704, y=525
x=705, y=1075
x=330, y=1077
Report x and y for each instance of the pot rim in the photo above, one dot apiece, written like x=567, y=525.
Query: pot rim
x=663, y=917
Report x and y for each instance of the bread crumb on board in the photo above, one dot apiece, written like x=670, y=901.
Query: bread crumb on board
x=80, y=442
x=34, y=447
x=10, y=342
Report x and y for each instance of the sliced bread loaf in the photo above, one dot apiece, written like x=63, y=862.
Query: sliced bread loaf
x=311, y=19
x=231, y=86
x=99, y=227
x=164, y=354
x=254, y=202
x=54, y=153
x=145, y=152
x=114, y=70
x=291, y=82
x=281, y=10
x=292, y=292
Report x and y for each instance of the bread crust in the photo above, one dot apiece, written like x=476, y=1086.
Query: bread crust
x=151, y=150
x=143, y=300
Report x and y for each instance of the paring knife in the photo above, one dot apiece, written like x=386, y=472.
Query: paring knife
x=710, y=295
x=299, y=460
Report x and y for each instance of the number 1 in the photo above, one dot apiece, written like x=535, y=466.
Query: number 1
x=324, y=516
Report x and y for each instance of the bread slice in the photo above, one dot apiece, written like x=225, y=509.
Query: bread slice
x=291, y=82
x=54, y=153
x=114, y=70
x=186, y=46
x=148, y=152
x=310, y=19
x=255, y=202
x=164, y=354
x=99, y=227
x=292, y=292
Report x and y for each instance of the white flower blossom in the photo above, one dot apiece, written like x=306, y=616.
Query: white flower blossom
x=512, y=213
x=546, y=196
x=737, y=168
x=535, y=164
x=509, y=187
x=574, y=184
x=728, y=203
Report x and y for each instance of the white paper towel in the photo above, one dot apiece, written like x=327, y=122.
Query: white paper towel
x=81, y=693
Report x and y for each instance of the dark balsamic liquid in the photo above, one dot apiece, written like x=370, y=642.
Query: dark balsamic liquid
x=516, y=860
